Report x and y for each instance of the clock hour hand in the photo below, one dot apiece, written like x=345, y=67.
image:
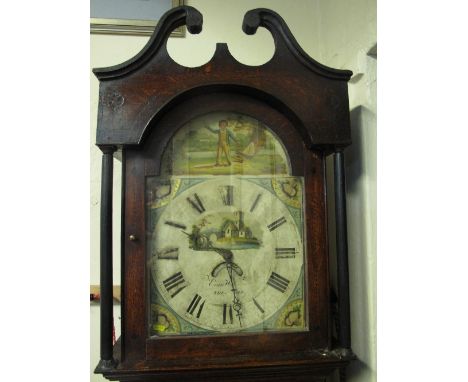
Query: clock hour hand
x=220, y=266
x=228, y=263
x=218, y=269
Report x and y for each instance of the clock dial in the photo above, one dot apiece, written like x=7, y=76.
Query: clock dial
x=226, y=255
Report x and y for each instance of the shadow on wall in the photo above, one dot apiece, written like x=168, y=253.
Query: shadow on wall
x=360, y=176
x=362, y=121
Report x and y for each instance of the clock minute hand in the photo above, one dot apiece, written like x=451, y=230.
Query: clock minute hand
x=230, y=266
x=237, y=306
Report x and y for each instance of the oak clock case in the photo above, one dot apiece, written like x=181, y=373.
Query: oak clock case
x=224, y=229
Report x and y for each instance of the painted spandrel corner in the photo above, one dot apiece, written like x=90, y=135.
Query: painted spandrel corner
x=224, y=143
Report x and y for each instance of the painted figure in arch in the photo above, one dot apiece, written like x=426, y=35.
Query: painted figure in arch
x=224, y=137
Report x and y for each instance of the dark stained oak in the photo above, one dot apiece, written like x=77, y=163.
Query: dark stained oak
x=142, y=103
x=106, y=309
x=314, y=96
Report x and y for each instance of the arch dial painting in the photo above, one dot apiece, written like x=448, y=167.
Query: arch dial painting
x=225, y=232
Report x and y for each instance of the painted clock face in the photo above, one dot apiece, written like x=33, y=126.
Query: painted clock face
x=226, y=254
x=225, y=230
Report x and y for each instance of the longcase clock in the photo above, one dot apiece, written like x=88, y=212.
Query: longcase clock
x=224, y=228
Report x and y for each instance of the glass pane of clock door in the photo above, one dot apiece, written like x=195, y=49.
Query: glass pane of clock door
x=225, y=232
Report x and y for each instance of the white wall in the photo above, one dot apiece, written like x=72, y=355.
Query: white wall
x=347, y=34
x=337, y=33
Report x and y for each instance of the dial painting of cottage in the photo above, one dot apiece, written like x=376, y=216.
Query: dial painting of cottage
x=227, y=231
